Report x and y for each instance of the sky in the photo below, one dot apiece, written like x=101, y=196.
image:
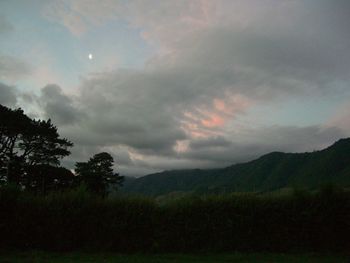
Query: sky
x=177, y=84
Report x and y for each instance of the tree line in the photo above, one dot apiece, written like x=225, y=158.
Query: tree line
x=30, y=157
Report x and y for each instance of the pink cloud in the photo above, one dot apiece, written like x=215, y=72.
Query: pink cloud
x=341, y=119
x=210, y=120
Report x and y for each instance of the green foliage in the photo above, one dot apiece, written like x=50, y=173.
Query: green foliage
x=77, y=220
x=267, y=173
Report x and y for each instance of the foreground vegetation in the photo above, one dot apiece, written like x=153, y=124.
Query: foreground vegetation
x=75, y=220
x=42, y=257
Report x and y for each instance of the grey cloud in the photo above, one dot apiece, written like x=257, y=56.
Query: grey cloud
x=135, y=171
x=215, y=142
x=126, y=108
x=305, y=55
x=258, y=142
x=115, y=113
x=300, y=139
x=247, y=61
x=121, y=157
x=79, y=15
x=213, y=152
x=12, y=68
x=59, y=106
x=299, y=49
x=7, y=95
x=5, y=26
x=81, y=153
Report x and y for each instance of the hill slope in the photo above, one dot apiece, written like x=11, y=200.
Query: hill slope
x=269, y=172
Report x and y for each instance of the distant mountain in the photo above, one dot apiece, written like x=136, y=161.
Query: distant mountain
x=269, y=172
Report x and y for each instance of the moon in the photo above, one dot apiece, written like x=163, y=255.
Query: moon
x=90, y=56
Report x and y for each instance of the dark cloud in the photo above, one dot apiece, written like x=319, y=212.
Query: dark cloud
x=215, y=142
x=174, y=112
x=220, y=152
x=127, y=109
x=264, y=64
x=58, y=106
x=7, y=95
x=82, y=153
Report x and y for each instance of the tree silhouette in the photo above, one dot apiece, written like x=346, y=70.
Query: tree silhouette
x=97, y=174
x=13, y=125
x=45, y=178
x=42, y=145
x=25, y=143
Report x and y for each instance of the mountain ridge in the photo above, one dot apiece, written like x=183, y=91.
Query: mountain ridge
x=269, y=172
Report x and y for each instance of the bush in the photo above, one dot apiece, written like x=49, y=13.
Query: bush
x=76, y=220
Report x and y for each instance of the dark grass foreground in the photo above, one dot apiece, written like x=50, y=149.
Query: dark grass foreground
x=44, y=257
x=300, y=222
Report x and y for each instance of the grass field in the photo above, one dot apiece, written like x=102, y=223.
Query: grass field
x=43, y=257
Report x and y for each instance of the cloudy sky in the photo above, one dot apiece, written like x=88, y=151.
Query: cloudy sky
x=173, y=84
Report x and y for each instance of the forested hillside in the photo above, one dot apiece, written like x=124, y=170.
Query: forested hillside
x=269, y=172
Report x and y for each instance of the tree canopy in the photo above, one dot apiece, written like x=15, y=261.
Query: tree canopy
x=98, y=175
x=31, y=152
x=28, y=145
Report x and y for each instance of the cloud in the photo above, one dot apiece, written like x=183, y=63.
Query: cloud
x=216, y=62
x=341, y=118
x=59, y=106
x=258, y=47
x=12, y=68
x=5, y=26
x=121, y=109
x=220, y=151
x=210, y=119
x=80, y=15
x=7, y=95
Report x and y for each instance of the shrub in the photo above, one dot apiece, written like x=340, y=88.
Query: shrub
x=75, y=220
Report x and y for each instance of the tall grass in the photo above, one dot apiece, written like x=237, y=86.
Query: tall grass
x=300, y=221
